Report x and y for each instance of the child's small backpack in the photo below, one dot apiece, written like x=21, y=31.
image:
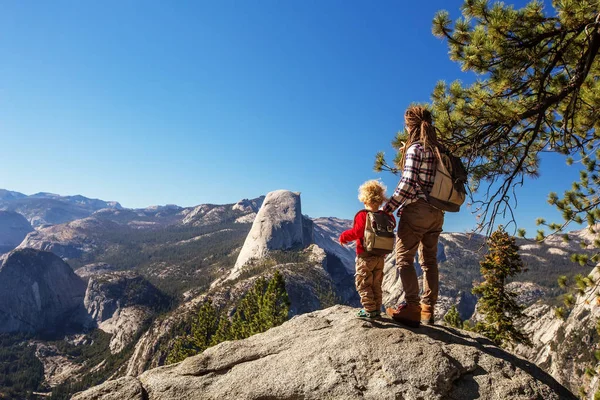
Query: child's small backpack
x=379, y=236
x=448, y=192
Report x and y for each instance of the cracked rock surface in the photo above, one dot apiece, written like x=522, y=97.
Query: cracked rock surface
x=331, y=354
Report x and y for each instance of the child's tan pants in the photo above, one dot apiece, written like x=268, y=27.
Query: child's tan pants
x=368, y=279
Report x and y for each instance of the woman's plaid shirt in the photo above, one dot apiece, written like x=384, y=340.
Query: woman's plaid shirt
x=417, y=176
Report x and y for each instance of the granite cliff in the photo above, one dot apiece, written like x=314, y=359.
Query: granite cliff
x=38, y=292
x=13, y=229
x=120, y=303
x=332, y=354
x=566, y=348
x=279, y=225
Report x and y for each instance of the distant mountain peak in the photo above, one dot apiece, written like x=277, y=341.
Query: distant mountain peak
x=279, y=225
x=46, y=195
x=249, y=205
x=45, y=208
x=13, y=229
x=9, y=195
x=165, y=207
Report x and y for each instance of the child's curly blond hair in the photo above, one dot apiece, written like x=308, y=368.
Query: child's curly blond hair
x=372, y=192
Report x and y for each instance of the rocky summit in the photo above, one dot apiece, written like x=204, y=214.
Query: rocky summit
x=279, y=225
x=13, y=229
x=331, y=354
x=38, y=291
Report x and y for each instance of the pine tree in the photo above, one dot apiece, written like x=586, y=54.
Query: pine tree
x=223, y=332
x=205, y=326
x=452, y=318
x=276, y=305
x=497, y=304
x=182, y=349
x=199, y=339
x=537, y=89
x=264, y=306
x=245, y=321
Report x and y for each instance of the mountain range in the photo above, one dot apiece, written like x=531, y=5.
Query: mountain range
x=49, y=209
x=141, y=273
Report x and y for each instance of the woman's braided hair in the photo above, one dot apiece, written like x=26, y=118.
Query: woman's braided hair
x=420, y=129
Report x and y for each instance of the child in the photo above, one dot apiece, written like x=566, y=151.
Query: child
x=369, y=267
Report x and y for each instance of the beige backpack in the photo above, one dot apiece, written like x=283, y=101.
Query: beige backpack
x=379, y=234
x=449, y=185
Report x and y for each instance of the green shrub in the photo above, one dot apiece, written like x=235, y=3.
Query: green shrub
x=452, y=318
x=264, y=306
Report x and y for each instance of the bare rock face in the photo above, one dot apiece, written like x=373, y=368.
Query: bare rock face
x=527, y=292
x=542, y=326
x=249, y=206
x=89, y=270
x=330, y=354
x=243, y=211
x=123, y=326
x=279, y=225
x=38, y=291
x=120, y=302
x=70, y=240
x=565, y=348
x=13, y=229
x=121, y=389
x=327, y=233
x=57, y=367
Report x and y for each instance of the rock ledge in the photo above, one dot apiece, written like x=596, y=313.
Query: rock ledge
x=331, y=354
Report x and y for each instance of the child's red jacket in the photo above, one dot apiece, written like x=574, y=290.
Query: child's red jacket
x=357, y=232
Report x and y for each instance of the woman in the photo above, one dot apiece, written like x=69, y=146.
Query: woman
x=420, y=223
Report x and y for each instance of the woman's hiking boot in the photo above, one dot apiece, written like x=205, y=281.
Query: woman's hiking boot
x=362, y=313
x=407, y=314
x=427, y=314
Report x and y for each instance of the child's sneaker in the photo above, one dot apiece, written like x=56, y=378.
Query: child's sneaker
x=368, y=314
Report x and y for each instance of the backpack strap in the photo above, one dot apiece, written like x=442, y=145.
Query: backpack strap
x=438, y=154
x=362, y=240
x=366, y=218
x=389, y=216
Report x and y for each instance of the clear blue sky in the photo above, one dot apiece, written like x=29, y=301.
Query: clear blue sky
x=190, y=102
